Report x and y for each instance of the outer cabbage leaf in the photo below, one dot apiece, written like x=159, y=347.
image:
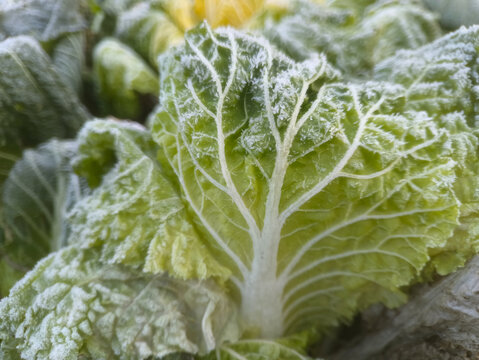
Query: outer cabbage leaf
x=322, y=197
x=46, y=20
x=136, y=213
x=353, y=40
x=441, y=81
x=122, y=78
x=35, y=103
x=68, y=57
x=58, y=25
x=37, y=195
x=72, y=305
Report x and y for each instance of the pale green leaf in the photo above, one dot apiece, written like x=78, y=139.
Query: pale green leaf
x=123, y=78
x=136, y=213
x=441, y=81
x=71, y=304
x=353, y=39
x=321, y=196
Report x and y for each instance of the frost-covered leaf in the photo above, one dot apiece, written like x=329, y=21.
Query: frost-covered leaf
x=123, y=79
x=136, y=213
x=71, y=304
x=322, y=197
x=58, y=24
x=46, y=20
x=35, y=104
x=37, y=195
x=353, y=40
x=441, y=82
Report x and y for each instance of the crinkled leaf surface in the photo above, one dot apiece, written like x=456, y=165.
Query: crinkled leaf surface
x=354, y=40
x=312, y=195
x=71, y=304
x=321, y=196
x=122, y=77
x=37, y=195
x=441, y=82
x=136, y=213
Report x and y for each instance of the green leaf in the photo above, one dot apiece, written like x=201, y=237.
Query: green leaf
x=123, y=79
x=68, y=56
x=45, y=20
x=353, y=39
x=136, y=213
x=57, y=24
x=10, y=275
x=37, y=195
x=72, y=305
x=36, y=104
x=322, y=197
x=441, y=81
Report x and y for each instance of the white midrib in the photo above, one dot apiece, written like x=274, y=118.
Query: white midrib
x=262, y=301
x=263, y=298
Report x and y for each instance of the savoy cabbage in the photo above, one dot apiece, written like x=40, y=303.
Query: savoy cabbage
x=286, y=178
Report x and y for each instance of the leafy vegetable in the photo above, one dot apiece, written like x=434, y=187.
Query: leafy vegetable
x=80, y=306
x=32, y=90
x=355, y=36
x=360, y=216
x=37, y=195
x=286, y=180
x=122, y=78
x=35, y=105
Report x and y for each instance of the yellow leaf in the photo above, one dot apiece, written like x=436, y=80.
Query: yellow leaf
x=181, y=12
x=227, y=12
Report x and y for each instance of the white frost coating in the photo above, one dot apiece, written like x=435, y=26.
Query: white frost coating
x=113, y=310
x=375, y=164
x=311, y=196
